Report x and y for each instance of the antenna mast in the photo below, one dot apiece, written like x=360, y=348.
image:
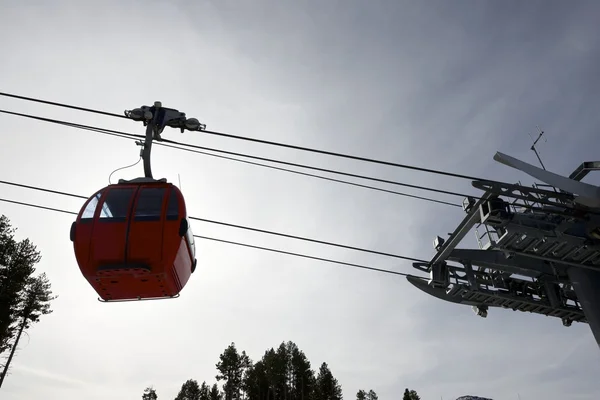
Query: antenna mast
x=541, y=133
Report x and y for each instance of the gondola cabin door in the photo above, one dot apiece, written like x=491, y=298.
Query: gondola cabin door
x=133, y=241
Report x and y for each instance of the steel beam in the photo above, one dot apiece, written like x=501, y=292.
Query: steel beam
x=584, y=169
x=589, y=195
x=460, y=232
x=496, y=259
x=483, y=298
x=533, y=195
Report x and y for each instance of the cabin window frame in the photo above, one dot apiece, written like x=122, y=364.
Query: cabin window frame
x=86, y=217
x=189, y=238
x=172, y=211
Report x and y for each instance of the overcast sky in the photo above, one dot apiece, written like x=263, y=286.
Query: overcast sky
x=440, y=84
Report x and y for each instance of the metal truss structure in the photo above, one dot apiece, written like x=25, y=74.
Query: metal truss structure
x=539, y=248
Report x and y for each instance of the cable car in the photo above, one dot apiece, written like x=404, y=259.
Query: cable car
x=133, y=240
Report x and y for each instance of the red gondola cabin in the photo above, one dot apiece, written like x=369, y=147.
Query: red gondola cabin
x=133, y=240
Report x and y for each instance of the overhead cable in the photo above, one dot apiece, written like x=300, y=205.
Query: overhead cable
x=279, y=144
x=328, y=260
x=63, y=193
x=447, y=203
x=192, y=148
x=52, y=103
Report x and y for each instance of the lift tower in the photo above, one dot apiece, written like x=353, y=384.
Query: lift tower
x=539, y=248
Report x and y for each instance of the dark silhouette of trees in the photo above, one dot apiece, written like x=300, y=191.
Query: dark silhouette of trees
x=190, y=390
x=370, y=395
x=204, y=391
x=302, y=376
x=232, y=366
x=24, y=298
x=17, y=263
x=326, y=386
x=149, y=394
x=284, y=373
x=410, y=395
x=215, y=393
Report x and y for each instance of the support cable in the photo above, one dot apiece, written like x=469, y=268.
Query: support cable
x=271, y=143
x=52, y=103
x=328, y=260
x=192, y=148
x=63, y=193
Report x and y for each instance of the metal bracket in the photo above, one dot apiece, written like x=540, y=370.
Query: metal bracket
x=155, y=119
x=584, y=169
x=588, y=195
x=533, y=195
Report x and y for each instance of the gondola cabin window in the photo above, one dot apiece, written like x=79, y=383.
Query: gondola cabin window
x=90, y=208
x=149, y=204
x=173, y=206
x=116, y=205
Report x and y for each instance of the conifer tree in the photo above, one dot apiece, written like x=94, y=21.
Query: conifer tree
x=149, y=394
x=215, y=393
x=24, y=298
x=326, y=386
x=190, y=390
x=410, y=395
x=231, y=368
x=17, y=264
x=204, y=391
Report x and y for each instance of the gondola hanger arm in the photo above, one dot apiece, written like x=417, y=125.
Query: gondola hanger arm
x=155, y=118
